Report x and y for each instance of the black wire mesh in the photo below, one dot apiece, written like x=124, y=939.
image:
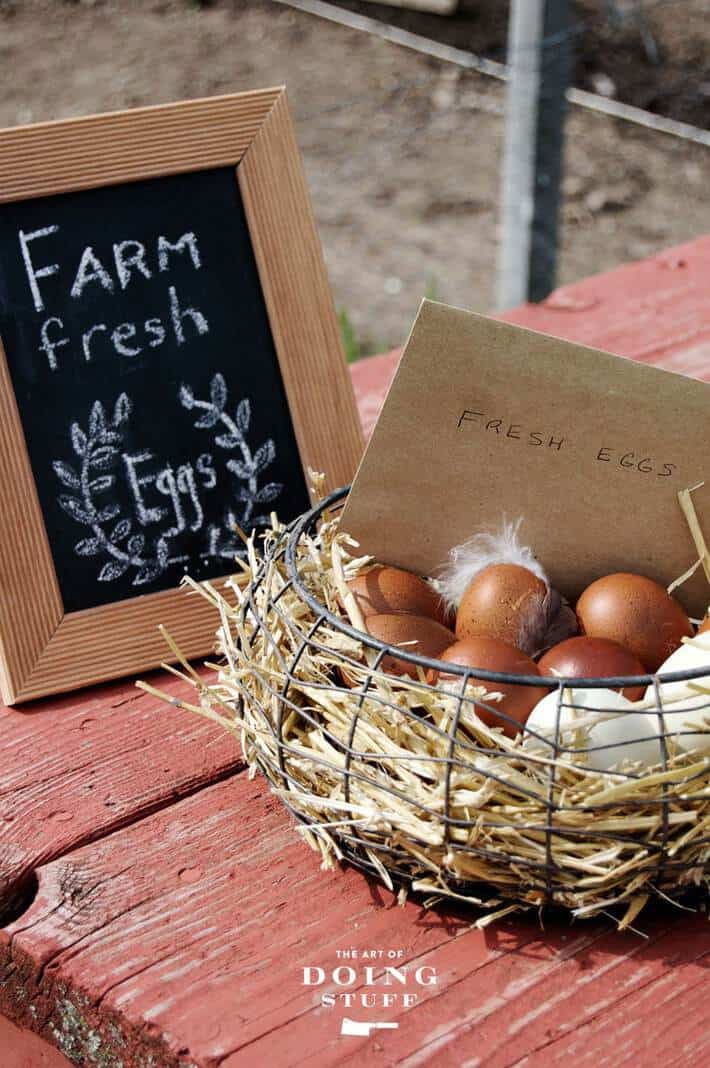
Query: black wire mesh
x=554, y=818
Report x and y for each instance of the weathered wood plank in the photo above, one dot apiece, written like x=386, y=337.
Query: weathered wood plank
x=664, y=1022
x=552, y=990
x=190, y=929
x=184, y=937
x=77, y=767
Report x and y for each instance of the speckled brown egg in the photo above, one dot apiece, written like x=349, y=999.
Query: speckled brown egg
x=491, y=654
x=637, y=613
x=389, y=590
x=416, y=634
x=507, y=602
x=705, y=625
x=590, y=658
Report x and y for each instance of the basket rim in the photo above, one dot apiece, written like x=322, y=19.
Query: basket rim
x=306, y=524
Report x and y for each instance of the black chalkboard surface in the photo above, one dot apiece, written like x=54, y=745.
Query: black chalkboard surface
x=147, y=381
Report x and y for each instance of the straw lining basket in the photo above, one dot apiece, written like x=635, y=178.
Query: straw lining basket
x=403, y=780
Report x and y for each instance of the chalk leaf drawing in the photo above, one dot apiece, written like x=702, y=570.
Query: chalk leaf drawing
x=249, y=465
x=98, y=455
x=118, y=538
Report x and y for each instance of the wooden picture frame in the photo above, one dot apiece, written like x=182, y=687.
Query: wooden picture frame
x=44, y=650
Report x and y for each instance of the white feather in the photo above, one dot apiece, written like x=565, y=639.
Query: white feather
x=469, y=559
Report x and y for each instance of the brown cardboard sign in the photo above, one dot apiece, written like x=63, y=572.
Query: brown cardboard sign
x=486, y=421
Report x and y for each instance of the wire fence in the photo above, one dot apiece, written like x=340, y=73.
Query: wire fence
x=494, y=65
x=448, y=233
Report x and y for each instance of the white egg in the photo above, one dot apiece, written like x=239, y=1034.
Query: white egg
x=543, y=718
x=691, y=656
x=605, y=739
x=632, y=737
x=682, y=717
x=684, y=705
x=581, y=716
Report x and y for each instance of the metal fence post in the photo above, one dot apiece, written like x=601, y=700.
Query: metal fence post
x=539, y=64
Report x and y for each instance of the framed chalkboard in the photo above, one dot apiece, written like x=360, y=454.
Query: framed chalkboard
x=170, y=368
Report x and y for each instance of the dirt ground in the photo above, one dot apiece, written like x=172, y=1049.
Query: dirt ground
x=402, y=153
x=654, y=54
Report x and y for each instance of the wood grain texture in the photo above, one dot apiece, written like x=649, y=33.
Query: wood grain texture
x=559, y=987
x=126, y=146
x=247, y=909
x=80, y=766
x=42, y=650
x=120, y=639
x=185, y=936
x=30, y=602
x=299, y=301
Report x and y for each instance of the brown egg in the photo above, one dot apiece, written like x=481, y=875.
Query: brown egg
x=589, y=658
x=705, y=625
x=389, y=590
x=491, y=654
x=508, y=602
x=416, y=634
x=637, y=613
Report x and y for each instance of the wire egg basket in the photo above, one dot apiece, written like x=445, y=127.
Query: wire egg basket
x=400, y=776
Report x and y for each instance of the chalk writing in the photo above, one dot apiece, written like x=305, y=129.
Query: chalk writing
x=130, y=260
x=147, y=381
x=124, y=538
x=245, y=470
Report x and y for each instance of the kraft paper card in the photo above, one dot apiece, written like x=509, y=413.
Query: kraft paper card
x=486, y=421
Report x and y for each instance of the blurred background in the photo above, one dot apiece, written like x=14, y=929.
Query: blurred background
x=405, y=143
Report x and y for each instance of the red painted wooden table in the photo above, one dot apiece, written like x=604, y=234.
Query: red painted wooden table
x=157, y=907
